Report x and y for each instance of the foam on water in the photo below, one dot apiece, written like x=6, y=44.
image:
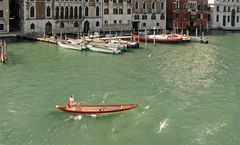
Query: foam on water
x=93, y=116
x=162, y=125
x=10, y=107
x=149, y=55
x=77, y=117
x=147, y=107
x=212, y=130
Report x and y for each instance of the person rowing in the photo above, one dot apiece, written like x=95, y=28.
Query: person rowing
x=71, y=101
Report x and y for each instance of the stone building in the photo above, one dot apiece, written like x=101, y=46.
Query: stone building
x=149, y=14
x=73, y=16
x=4, y=16
x=76, y=16
x=117, y=15
x=187, y=14
x=60, y=16
x=225, y=14
x=37, y=16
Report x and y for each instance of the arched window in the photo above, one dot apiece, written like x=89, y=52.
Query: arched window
x=153, y=5
x=62, y=13
x=153, y=17
x=48, y=11
x=61, y=25
x=32, y=13
x=162, y=5
x=66, y=13
x=97, y=24
x=144, y=5
x=75, y=13
x=32, y=26
x=57, y=12
x=71, y=12
x=97, y=11
x=136, y=5
x=86, y=11
x=80, y=13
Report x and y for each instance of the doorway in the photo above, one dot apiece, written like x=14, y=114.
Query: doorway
x=86, y=27
x=48, y=28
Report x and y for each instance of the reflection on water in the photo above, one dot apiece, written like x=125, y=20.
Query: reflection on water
x=191, y=69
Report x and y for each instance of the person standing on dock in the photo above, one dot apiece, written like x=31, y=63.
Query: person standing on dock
x=55, y=38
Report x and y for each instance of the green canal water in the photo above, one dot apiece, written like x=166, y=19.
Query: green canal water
x=187, y=94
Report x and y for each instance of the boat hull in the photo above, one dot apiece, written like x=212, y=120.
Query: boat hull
x=103, y=50
x=96, y=109
x=159, y=38
x=71, y=46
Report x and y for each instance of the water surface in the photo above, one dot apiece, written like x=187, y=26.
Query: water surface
x=187, y=94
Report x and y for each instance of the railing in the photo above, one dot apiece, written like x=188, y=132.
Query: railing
x=115, y=27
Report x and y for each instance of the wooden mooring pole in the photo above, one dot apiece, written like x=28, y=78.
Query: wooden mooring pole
x=3, y=51
x=154, y=33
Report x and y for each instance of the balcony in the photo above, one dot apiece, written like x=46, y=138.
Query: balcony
x=118, y=4
x=192, y=10
x=116, y=27
x=154, y=10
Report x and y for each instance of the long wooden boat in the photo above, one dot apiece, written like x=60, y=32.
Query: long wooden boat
x=185, y=38
x=100, y=43
x=96, y=109
x=70, y=46
x=168, y=38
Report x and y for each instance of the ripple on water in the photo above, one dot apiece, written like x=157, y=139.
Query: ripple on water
x=202, y=134
x=162, y=125
x=74, y=117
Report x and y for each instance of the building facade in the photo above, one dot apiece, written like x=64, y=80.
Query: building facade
x=61, y=16
x=225, y=14
x=187, y=14
x=77, y=16
x=117, y=15
x=4, y=16
x=149, y=14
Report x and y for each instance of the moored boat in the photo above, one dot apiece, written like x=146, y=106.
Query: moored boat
x=127, y=44
x=185, y=38
x=201, y=39
x=96, y=109
x=69, y=45
x=162, y=38
x=108, y=49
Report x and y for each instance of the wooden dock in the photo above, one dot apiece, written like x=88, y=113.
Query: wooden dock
x=49, y=40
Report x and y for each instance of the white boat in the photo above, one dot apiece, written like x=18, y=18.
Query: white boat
x=127, y=44
x=201, y=39
x=75, y=41
x=69, y=45
x=103, y=49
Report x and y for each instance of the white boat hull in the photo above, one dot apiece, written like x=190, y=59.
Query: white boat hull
x=71, y=46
